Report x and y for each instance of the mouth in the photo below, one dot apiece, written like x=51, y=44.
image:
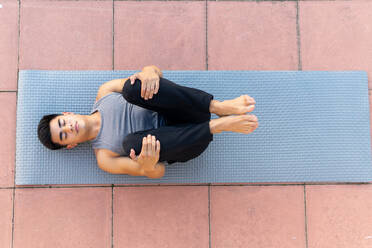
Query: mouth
x=76, y=127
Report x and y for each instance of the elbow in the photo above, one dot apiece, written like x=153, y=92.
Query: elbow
x=161, y=170
x=157, y=173
x=161, y=174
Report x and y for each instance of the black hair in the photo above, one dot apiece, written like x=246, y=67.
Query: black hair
x=43, y=132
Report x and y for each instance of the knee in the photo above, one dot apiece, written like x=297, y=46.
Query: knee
x=132, y=141
x=129, y=91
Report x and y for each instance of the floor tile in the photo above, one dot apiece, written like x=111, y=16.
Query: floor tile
x=57, y=217
x=336, y=35
x=6, y=210
x=170, y=35
x=161, y=217
x=8, y=44
x=252, y=36
x=339, y=216
x=258, y=216
x=7, y=137
x=72, y=35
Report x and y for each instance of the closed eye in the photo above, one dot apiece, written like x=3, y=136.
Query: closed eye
x=60, y=134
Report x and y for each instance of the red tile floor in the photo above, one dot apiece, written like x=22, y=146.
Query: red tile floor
x=180, y=35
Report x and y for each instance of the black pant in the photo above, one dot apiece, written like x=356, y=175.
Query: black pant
x=186, y=111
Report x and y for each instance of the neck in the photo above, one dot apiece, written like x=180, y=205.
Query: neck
x=93, y=125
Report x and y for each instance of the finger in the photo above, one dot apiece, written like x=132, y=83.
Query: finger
x=138, y=76
x=143, y=88
x=153, y=141
x=132, y=79
x=152, y=89
x=132, y=154
x=148, y=87
x=144, y=146
x=149, y=145
x=157, y=84
x=147, y=90
x=158, y=147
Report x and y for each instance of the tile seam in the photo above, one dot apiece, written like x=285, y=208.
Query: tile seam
x=305, y=210
x=10, y=91
x=180, y=185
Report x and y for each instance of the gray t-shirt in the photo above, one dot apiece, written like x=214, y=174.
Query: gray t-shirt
x=120, y=118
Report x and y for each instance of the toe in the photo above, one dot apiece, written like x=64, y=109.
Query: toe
x=251, y=100
x=246, y=100
x=250, y=108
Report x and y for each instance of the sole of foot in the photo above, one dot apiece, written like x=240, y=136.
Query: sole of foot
x=245, y=124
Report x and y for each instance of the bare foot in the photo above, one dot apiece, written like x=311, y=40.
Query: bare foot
x=238, y=106
x=239, y=124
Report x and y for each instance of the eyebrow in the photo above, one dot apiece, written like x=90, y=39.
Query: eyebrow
x=60, y=133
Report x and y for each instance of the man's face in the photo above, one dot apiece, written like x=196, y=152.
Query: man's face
x=68, y=129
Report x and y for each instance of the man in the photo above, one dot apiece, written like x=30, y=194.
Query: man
x=133, y=116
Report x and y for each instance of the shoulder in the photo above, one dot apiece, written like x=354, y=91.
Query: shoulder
x=103, y=95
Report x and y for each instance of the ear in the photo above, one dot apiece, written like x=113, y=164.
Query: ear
x=71, y=146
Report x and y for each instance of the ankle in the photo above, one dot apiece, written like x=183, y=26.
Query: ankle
x=216, y=126
x=214, y=106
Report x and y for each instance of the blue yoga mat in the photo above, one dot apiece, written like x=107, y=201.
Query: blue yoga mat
x=314, y=127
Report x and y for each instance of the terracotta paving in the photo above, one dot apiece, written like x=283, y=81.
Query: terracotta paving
x=180, y=35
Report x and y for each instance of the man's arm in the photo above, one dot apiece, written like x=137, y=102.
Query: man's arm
x=125, y=165
x=117, y=85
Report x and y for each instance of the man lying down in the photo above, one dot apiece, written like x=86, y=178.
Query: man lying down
x=139, y=123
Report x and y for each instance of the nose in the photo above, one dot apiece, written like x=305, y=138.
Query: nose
x=68, y=128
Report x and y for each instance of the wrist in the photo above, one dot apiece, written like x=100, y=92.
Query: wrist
x=147, y=167
x=153, y=68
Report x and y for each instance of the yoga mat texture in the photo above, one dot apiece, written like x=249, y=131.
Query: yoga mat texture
x=313, y=127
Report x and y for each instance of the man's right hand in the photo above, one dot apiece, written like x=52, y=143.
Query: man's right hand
x=150, y=81
x=149, y=155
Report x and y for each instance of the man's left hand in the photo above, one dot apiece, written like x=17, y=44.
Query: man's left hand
x=149, y=155
x=149, y=82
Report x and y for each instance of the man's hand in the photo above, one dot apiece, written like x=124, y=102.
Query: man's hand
x=149, y=155
x=150, y=82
